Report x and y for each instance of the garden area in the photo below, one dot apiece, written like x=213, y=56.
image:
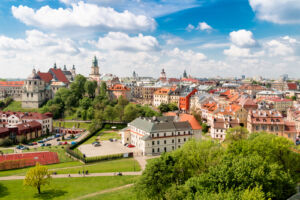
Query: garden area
x=123, y=194
x=62, y=188
x=16, y=106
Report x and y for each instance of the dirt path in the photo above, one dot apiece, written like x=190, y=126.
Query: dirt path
x=104, y=191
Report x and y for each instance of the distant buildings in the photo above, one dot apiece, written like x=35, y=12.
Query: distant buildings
x=19, y=125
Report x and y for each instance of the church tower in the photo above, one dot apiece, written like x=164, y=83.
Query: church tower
x=163, y=76
x=33, y=91
x=95, y=75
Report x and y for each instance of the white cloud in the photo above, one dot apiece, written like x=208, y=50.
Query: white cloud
x=277, y=48
x=214, y=45
x=190, y=27
x=203, y=26
x=121, y=41
x=242, y=38
x=235, y=51
x=188, y=55
x=290, y=40
x=83, y=15
x=277, y=11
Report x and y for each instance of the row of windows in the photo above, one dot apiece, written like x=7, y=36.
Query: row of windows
x=165, y=134
x=164, y=149
x=165, y=141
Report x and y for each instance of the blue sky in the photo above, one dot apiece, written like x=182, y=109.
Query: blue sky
x=208, y=38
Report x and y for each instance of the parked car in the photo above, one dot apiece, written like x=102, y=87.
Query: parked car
x=19, y=147
x=96, y=144
x=43, y=145
x=34, y=143
x=57, y=135
x=126, y=144
x=130, y=146
x=60, y=143
x=58, y=139
x=73, y=142
x=65, y=143
x=24, y=148
x=110, y=139
x=48, y=144
x=115, y=139
x=41, y=141
x=30, y=144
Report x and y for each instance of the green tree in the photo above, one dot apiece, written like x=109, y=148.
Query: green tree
x=37, y=177
x=130, y=112
x=163, y=108
x=172, y=106
x=236, y=133
x=85, y=103
x=77, y=87
x=103, y=89
x=90, y=88
x=110, y=113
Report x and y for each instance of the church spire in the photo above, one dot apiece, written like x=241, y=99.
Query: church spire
x=95, y=62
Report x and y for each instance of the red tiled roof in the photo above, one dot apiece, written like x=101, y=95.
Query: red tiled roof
x=292, y=86
x=11, y=83
x=47, y=76
x=186, y=117
x=59, y=75
x=119, y=87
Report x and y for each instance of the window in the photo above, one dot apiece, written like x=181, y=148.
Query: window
x=157, y=149
x=157, y=135
x=153, y=143
x=257, y=128
x=165, y=134
x=184, y=139
x=157, y=141
x=172, y=141
x=152, y=135
x=178, y=146
x=165, y=149
x=165, y=142
x=153, y=151
x=178, y=140
x=172, y=147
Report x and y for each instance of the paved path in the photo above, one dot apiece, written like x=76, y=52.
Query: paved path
x=103, y=192
x=6, y=178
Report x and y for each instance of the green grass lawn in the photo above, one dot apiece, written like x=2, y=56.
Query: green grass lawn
x=6, y=151
x=103, y=136
x=123, y=194
x=62, y=155
x=63, y=188
x=22, y=172
x=121, y=165
x=71, y=124
x=16, y=106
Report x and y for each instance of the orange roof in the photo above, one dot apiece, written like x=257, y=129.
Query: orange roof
x=119, y=87
x=186, y=117
x=162, y=91
x=12, y=83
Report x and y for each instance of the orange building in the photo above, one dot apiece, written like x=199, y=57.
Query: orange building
x=119, y=90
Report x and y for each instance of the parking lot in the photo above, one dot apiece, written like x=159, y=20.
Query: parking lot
x=106, y=148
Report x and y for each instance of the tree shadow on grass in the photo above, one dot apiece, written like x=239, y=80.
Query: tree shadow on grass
x=3, y=191
x=50, y=194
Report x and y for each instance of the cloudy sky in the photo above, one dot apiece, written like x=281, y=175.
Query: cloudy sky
x=208, y=38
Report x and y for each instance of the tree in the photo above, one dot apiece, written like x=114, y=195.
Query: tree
x=37, y=177
x=163, y=108
x=90, y=88
x=103, y=89
x=172, y=106
x=130, y=112
x=85, y=103
x=110, y=113
x=236, y=133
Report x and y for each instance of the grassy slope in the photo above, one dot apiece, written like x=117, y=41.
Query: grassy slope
x=122, y=165
x=71, y=124
x=124, y=194
x=16, y=106
x=6, y=151
x=66, y=188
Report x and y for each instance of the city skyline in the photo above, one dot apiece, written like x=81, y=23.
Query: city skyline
x=206, y=38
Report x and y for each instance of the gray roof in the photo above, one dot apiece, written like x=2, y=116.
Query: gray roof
x=158, y=124
x=68, y=73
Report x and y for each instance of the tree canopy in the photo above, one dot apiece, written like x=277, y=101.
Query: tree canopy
x=260, y=166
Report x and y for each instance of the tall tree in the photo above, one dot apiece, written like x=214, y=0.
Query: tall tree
x=37, y=177
x=90, y=88
x=103, y=89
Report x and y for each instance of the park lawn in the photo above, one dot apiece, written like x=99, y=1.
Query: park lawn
x=22, y=172
x=62, y=188
x=16, y=106
x=123, y=194
x=82, y=125
x=121, y=165
x=62, y=155
x=103, y=136
x=6, y=151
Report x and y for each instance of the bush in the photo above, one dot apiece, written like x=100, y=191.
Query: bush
x=7, y=142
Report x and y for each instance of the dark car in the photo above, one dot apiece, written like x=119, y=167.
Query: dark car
x=110, y=139
x=126, y=144
x=119, y=174
x=30, y=144
x=41, y=141
x=48, y=144
x=58, y=139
